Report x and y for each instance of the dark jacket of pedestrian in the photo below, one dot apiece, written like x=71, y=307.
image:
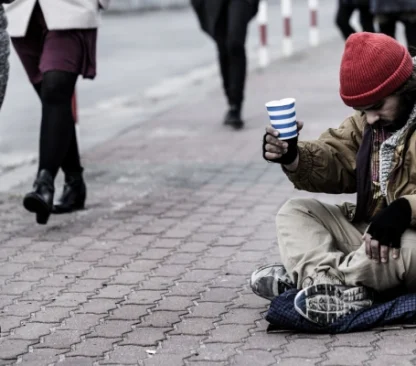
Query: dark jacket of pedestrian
x=356, y=2
x=209, y=12
x=392, y=6
x=389, y=12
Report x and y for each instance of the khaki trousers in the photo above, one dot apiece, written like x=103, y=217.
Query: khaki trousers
x=316, y=238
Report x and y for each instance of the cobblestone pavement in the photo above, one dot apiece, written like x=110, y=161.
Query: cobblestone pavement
x=155, y=271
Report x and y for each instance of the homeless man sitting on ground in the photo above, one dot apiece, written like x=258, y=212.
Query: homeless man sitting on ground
x=344, y=253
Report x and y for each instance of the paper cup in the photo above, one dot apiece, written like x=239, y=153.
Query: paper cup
x=282, y=115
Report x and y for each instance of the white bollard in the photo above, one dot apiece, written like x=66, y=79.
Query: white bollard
x=313, y=26
x=264, y=58
x=286, y=6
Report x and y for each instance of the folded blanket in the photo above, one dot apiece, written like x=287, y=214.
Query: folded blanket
x=400, y=310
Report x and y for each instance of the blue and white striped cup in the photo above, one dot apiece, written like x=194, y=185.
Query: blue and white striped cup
x=282, y=114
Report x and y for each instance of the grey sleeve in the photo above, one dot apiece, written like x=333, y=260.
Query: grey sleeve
x=4, y=55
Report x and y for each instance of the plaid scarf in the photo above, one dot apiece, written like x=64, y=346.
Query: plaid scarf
x=382, y=161
x=387, y=149
x=378, y=201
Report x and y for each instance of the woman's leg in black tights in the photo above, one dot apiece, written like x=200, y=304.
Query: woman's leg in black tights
x=57, y=126
x=72, y=162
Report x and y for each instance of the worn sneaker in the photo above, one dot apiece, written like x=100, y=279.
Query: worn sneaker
x=325, y=303
x=270, y=281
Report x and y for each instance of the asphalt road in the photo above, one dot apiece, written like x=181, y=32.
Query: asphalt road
x=145, y=62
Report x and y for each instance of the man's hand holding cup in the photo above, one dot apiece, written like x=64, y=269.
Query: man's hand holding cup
x=281, y=138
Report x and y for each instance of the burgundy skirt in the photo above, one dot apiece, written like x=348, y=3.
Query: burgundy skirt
x=42, y=50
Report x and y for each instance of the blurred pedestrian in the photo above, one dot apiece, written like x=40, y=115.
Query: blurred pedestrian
x=4, y=51
x=345, y=10
x=389, y=12
x=56, y=42
x=226, y=22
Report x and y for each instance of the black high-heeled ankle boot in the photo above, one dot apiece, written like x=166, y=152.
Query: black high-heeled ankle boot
x=233, y=117
x=40, y=200
x=73, y=196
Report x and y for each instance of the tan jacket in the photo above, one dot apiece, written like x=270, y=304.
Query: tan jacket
x=328, y=165
x=59, y=14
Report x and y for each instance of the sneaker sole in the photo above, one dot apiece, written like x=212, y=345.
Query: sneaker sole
x=326, y=317
x=316, y=316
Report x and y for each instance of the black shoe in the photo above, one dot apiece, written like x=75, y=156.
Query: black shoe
x=40, y=200
x=73, y=196
x=233, y=117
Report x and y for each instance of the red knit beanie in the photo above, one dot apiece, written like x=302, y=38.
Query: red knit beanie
x=373, y=67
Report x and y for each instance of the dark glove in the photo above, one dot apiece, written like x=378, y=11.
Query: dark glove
x=289, y=157
x=388, y=226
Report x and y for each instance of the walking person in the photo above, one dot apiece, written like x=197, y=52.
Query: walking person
x=226, y=22
x=345, y=10
x=389, y=12
x=56, y=42
x=4, y=51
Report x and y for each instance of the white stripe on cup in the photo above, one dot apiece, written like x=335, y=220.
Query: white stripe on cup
x=282, y=121
x=280, y=113
x=285, y=130
x=281, y=102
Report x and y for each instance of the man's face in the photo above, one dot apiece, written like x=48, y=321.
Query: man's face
x=391, y=112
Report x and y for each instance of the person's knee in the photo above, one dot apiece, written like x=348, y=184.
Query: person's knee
x=293, y=207
x=296, y=204
x=235, y=47
x=341, y=21
x=57, y=87
x=338, y=21
x=222, y=51
x=220, y=42
x=408, y=240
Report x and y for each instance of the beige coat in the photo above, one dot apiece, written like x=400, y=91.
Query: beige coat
x=328, y=164
x=59, y=14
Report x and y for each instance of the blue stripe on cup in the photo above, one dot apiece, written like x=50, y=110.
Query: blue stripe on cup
x=287, y=135
x=281, y=108
x=283, y=125
x=283, y=116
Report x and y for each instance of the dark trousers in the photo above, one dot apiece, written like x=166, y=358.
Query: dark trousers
x=344, y=14
x=387, y=25
x=230, y=37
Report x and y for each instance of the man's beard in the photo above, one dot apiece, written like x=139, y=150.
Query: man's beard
x=406, y=106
